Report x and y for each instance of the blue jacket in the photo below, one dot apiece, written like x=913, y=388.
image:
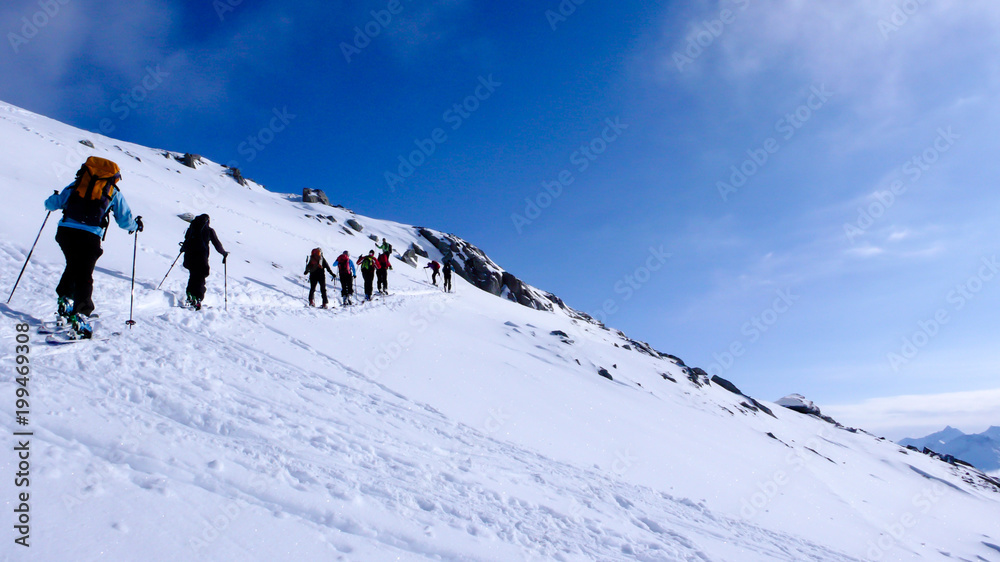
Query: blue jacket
x=123, y=214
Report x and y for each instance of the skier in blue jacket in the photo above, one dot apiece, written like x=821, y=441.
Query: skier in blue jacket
x=86, y=204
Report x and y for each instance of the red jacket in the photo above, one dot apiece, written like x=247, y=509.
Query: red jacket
x=383, y=262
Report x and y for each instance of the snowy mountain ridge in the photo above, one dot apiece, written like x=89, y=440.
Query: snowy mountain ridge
x=982, y=450
x=420, y=426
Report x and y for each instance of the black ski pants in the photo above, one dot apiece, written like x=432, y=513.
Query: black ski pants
x=346, y=284
x=317, y=278
x=447, y=280
x=82, y=250
x=383, y=279
x=196, y=282
x=369, y=275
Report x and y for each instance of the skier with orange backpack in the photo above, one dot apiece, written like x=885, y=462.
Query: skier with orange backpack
x=86, y=205
x=315, y=266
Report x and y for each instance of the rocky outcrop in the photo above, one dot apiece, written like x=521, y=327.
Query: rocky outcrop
x=355, y=225
x=409, y=257
x=473, y=265
x=418, y=250
x=237, y=176
x=190, y=160
x=799, y=403
x=753, y=405
x=314, y=196
x=87, y=143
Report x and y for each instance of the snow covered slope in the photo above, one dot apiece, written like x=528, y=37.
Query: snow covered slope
x=422, y=426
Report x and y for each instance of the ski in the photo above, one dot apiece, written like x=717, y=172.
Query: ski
x=53, y=327
x=65, y=338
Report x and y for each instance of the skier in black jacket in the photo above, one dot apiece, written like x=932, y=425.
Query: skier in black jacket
x=196, y=252
x=447, y=274
x=315, y=265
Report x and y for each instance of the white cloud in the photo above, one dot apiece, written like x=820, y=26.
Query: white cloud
x=897, y=417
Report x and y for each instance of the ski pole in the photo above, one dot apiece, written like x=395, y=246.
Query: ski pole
x=171, y=268
x=29, y=256
x=131, y=298
x=225, y=282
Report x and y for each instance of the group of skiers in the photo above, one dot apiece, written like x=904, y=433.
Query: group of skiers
x=87, y=204
x=435, y=267
x=371, y=266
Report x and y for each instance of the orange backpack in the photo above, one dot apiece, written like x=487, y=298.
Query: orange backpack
x=92, y=194
x=315, y=260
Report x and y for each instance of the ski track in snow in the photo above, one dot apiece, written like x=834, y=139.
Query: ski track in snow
x=214, y=390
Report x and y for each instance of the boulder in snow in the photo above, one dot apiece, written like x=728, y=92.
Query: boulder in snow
x=800, y=404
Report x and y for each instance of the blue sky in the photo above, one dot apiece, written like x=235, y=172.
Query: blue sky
x=865, y=131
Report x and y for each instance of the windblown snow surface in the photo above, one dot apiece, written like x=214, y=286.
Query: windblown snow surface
x=421, y=426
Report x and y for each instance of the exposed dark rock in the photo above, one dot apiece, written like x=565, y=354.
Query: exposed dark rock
x=314, y=196
x=604, y=373
x=698, y=376
x=754, y=404
x=189, y=160
x=627, y=346
x=237, y=176
x=799, y=403
x=726, y=385
x=563, y=336
x=355, y=225
x=418, y=250
x=87, y=143
x=668, y=377
x=410, y=257
x=373, y=237
x=473, y=265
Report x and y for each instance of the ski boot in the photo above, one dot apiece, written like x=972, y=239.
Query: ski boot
x=193, y=302
x=64, y=310
x=80, y=327
x=312, y=302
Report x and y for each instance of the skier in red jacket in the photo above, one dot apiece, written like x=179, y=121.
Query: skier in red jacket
x=383, y=273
